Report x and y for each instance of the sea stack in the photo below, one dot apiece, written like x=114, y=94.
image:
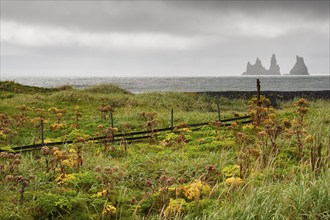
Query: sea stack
x=258, y=69
x=274, y=68
x=255, y=69
x=299, y=68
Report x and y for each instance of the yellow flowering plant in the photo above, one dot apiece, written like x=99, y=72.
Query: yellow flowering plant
x=196, y=189
x=175, y=208
x=64, y=179
x=236, y=181
x=109, y=210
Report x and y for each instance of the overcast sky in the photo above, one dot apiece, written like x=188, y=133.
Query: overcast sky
x=160, y=38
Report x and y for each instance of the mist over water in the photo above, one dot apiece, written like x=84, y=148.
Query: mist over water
x=190, y=84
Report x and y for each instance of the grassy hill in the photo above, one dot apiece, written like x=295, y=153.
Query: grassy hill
x=276, y=167
x=11, y=86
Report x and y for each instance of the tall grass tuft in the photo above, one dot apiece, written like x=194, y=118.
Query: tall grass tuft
x=306, y=197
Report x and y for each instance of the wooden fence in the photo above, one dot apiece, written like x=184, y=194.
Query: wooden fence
x=139, y=135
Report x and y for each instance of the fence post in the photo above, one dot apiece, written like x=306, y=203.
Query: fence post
x=218, y=109
x=172, y=120
x=42, y=131
x=258, y=92
x=111, y=123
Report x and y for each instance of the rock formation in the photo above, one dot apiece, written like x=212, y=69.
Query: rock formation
x=274, y=68
x=255, y=69
x=299, y=68
x=258, y=69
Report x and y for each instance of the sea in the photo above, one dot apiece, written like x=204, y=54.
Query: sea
x=187, y=84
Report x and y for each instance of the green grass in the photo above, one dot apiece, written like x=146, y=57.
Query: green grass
x=12, y=87
x=285, y=189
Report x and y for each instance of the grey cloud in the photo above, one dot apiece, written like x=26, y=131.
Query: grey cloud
x=185, y=17
x=224, y=35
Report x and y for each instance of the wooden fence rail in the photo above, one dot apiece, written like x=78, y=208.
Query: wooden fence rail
x=132, y=136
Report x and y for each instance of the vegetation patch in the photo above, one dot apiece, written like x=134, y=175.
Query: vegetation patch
x=274, y=167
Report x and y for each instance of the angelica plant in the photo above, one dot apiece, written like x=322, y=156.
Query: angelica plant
x=22, y=182
x=76, y=117
x=151, y=123
x=38, y=122
x=126, y=129
x=298, y=125
x=9, y=162
x=22, y=118
x=108, y=136
x=6, y=129
x=105, y=109
x=58, y=114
